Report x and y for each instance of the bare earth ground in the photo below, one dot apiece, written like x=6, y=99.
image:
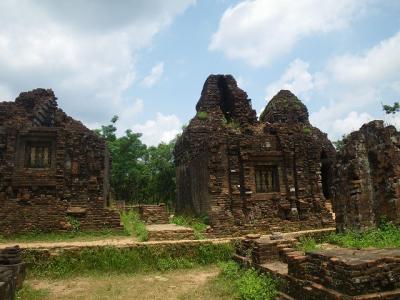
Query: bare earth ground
x=180, y=284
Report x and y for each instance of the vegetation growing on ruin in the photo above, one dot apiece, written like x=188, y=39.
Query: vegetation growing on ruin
x=133, y=225
x=386, y=235
x=126, y=260
x=140, y=173
x=236, y=283
x=306, y=244
x=307, y=130
x=202, y=115
x=197, y=224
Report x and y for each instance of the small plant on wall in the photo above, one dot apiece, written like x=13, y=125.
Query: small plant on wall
x=202, y=115
x=74, y=222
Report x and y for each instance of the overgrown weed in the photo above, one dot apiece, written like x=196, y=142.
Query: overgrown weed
x=197, y=224
x=126, y=260
x=134, y=226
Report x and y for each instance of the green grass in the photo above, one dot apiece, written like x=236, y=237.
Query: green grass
x=134, y=226
x=125, y=260
x=198, y=225
x=37, y=236
x=306, y=244
x=28, y=293
x=386, y=236
x=246, y=284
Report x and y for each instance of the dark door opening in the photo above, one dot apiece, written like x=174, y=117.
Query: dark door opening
x=326, y=175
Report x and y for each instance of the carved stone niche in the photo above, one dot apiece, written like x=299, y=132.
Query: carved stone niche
x=36, y=151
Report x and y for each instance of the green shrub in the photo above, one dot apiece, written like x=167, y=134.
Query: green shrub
x=306, y=244
x=126, y=260
x=134, y=226
x=255, y=286
x=307, y=130
x=248, y=284
x=198, y=225
x=202, y=115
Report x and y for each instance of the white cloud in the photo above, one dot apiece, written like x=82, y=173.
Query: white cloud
x=164, y=128
x=84, y=50
x=5, y=94
x=353, y=121
x=381, y=63
x=154, y=75
x=259, y=31
x=296, y=78
x=358, y=83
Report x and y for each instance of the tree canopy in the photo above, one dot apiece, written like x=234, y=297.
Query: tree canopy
x=140, y=174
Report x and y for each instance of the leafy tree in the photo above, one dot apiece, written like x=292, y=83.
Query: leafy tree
x=140, y=174
x=391, y=109
x=339, y=144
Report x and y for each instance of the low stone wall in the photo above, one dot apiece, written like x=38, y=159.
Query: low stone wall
x=352, y=272
x=154, y=214
x=337, y=274
x=12, y=272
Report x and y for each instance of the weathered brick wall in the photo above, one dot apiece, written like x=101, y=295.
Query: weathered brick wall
x=352, y=272
x=75, y=183
x=367, y=178
x=223, y=145
x=154, y=214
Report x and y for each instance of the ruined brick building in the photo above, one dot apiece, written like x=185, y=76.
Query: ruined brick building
x=272, y=173
x=367, y=178
x=52, y=168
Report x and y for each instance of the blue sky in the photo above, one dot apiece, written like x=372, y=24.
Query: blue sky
x=147, y=60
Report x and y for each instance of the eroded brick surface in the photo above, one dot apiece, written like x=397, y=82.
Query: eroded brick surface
x=51, y=168
x=367, y=178
x=224, y=152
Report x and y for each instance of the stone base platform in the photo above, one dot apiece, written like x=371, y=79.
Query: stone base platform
x=339, y=274
x=163, y=232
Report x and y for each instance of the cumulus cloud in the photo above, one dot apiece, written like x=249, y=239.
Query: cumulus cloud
x=259, y=31
x=296, y=78
x=381, y=63
x=164, y=128
x=353, y=121
x=154, y=75
x=84, y=50
x=358, y=82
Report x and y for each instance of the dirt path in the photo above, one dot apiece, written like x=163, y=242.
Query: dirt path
x=162, y=286
x=131, y=241
x=116, y=242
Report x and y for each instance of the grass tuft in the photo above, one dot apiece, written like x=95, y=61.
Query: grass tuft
x=134, y=226
x=198, y=225
x=306, y=244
